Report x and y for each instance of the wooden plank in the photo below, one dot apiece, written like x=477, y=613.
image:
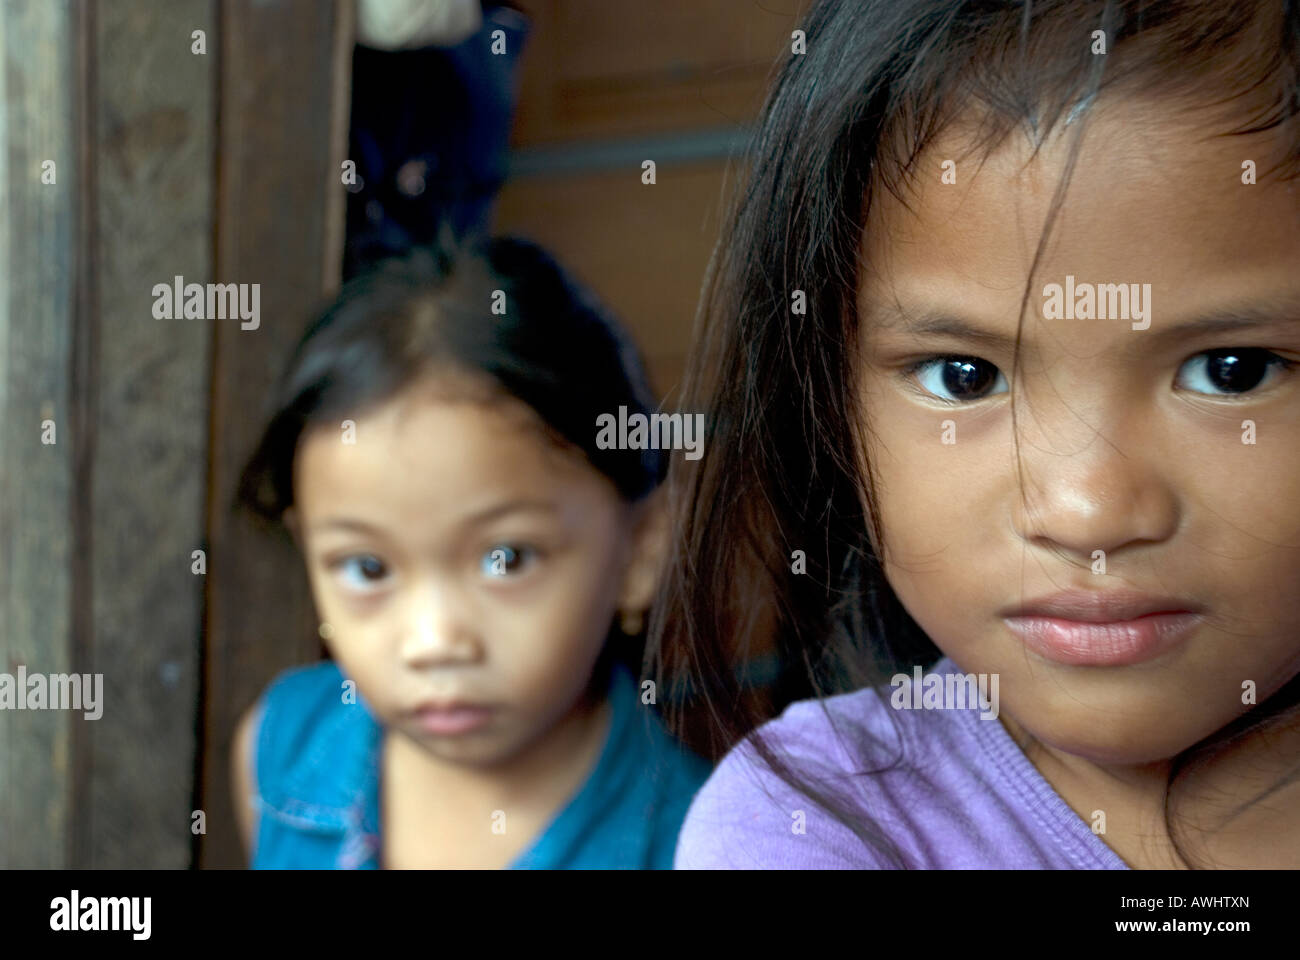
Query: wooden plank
x=282, y=137
x=642, y=248
x=600, y=68
x=612, y=39
x=37, y=535
x=153, y=182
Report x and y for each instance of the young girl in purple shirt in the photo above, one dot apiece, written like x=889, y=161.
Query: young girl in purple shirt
x=998, y=359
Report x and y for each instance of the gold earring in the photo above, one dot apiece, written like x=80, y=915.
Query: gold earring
x=630, y=622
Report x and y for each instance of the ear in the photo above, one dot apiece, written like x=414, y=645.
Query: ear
x=647, y=552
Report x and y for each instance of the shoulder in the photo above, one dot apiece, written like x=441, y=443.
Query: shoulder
x=678, y=771
x=746, y=816
x=645, y=782
x=294, y=696
x=270, y=732
x=659, y=758
x=312, y=685
x=308, y=681
x=284, y=708
x=851, y=748
x=243, y=777
x=304, y=717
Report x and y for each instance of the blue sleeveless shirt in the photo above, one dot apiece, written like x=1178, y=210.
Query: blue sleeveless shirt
x=317, y=768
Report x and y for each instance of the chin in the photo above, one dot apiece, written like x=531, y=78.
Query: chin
x=1116, y=744
x=481, y=752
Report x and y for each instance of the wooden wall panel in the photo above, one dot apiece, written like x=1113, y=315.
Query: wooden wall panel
x=153, y=133
x=38, y=538
x=96, y=529
x=596, y=68
x=605, y=84
x=224, y=167
x=282, y=137
x=642, y=248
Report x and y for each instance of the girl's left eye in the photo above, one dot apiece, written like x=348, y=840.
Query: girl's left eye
x=1230, y=371
x=370, y=571
x=964, y=379
x=503, y=560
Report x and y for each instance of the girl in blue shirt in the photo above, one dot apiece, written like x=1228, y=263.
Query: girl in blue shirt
x=481, y=568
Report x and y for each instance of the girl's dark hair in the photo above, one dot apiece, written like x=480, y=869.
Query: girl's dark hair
x=498, y=308
x=879, y=80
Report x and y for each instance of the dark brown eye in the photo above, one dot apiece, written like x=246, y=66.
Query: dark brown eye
x=958, y=379
x=361, y=571
x=505, y=559
x=1229, y=371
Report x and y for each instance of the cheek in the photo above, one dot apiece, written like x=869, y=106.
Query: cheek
x=1251, y=493
x=375, y=680
x=354, y=641
x=561, y=630
x=341, y=629
x=585, y=598
x=941, y=510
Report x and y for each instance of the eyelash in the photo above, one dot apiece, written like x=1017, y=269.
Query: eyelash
x=1272, y=360
x=532, y=554
x=529, y=555
x=335, y=565
x=914, y=368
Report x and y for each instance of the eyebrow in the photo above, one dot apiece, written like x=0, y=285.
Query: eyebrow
x=1281, y=310
x=477, y=518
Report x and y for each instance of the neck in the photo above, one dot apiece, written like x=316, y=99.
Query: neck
x=1214, y=809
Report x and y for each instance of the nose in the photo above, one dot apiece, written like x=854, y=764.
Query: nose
x=438, y=631
x=1098, y=485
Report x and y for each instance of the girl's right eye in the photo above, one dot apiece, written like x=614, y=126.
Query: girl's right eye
x=505, y=560
x=368, y=568
x=962, y=379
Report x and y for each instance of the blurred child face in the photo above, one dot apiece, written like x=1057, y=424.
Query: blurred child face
x=459, y=555
x=1131, y=440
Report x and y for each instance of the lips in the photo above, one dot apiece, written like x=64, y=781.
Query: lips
x=1103, y=628
x=451, y=717
x=1100, y=606
x=447, y=706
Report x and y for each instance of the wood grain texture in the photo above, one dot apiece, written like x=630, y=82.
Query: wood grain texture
x=600, y=68
x=279, y=199
x=37, y=537
x=153, y=134
x=643, y=248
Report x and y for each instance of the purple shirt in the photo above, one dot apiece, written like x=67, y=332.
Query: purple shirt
x=964, y=795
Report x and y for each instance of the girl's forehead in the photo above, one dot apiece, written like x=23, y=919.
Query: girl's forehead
x=1144, y=192
x=431, y=454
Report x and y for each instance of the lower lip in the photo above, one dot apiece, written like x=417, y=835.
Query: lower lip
x=1115, y=644
x=453, y=722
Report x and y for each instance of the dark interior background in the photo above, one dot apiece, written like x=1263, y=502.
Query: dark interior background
x=224, y=166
